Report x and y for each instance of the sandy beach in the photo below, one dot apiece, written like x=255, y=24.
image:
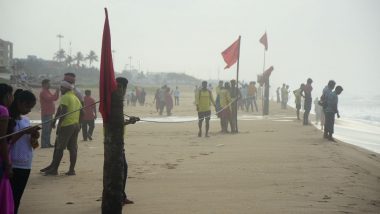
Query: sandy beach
x=274, y=165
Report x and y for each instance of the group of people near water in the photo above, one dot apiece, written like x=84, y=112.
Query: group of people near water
x=326, y=107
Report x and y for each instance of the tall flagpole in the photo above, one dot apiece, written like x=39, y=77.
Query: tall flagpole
x=262, y=91
x=237, y=85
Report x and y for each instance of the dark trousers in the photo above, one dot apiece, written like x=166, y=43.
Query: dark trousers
x=87, y=128
x=307, y=106
x=18, y=182
x=125, y=176
x=329, y=123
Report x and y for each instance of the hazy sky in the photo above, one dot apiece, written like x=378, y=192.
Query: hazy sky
x=321, y=39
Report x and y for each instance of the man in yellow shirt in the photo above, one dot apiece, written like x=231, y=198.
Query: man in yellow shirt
x=203, y=102
x=68, y=129
x=225, y=102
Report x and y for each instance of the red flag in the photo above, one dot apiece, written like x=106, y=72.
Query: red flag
x=107, y=82
x=264, y=40
x=231, y=54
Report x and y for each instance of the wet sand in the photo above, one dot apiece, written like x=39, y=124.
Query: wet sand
x=274, y=165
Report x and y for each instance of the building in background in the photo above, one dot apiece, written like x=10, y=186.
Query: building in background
x=6, y=57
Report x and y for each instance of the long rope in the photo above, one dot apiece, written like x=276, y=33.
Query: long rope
x=144, y=120
x=188, y=121
x=48, y=121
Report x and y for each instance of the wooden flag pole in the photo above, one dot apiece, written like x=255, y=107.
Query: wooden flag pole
x=237, y=86
x=262, y=91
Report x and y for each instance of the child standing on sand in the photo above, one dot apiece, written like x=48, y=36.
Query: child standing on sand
x=22, y=144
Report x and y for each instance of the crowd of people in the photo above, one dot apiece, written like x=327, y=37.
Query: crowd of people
x=137, y=95
x=76, y=112
x=326, y=107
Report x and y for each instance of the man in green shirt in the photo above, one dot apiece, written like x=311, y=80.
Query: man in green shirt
x=67, y=130
x=203, y=102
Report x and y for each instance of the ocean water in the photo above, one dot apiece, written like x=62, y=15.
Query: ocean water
x=360, y=120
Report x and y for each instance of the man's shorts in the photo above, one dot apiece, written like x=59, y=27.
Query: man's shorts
x=68, y=137
x=204, y=115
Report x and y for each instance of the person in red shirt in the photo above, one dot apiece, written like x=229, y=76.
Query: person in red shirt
x=47, y=110
x=89, y=116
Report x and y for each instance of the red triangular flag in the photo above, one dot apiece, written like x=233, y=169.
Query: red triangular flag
x=231, y=54
x=264, y=40
x=107, y=82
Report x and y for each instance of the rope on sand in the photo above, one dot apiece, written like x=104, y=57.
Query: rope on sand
x=48, y=121
x=144, y=120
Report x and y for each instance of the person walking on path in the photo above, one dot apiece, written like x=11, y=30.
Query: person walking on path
x=203, y=102
x=89, y=116
x=331, y=110
x=308, y=100
x=47, y=100
x=67, y=129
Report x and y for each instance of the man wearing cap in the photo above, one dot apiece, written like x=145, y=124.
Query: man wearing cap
x=67, y=129
x=70, y=78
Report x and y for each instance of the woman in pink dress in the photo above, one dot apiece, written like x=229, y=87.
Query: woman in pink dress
x=6, y=196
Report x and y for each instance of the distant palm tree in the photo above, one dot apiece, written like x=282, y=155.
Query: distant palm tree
x=79, y=58
x=69, y=60
x=91, y=57
x=60, y=55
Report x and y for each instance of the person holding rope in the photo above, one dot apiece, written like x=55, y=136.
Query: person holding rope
x=21, y=143
x=235, y=95
x=67, y=129
x=225, y=112
x=203, y=102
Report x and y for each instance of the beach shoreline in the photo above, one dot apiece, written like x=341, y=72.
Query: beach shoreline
x=273, y=165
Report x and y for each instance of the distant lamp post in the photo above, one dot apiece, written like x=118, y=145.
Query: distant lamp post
x=130, y=63
x=60, y=36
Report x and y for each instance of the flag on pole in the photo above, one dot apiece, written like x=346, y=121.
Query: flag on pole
x=107, y=83
x=264, y=41
x=231, y=54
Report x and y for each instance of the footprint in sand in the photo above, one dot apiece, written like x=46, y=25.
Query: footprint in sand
x=170, y=165
x=326, y=197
